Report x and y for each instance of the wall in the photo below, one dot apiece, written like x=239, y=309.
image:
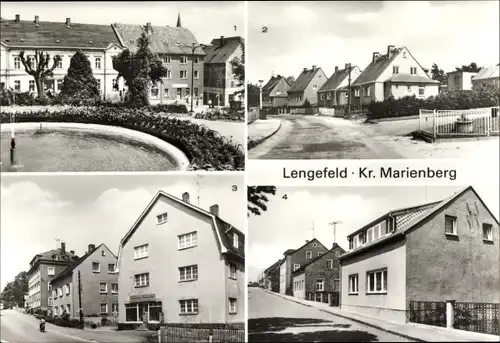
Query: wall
x=65, y=299
x=390, y=306
x=165, y=259
x=494, y=81
x=283, y=275
x=405, y=89
x=318, y=270
x=235, y=289
x=463, y=268
x=404, y=61
x=458, y=81
x=301, y=294
x=312, y=88
x=299, y=257
x=171, y=85
x=44, y=288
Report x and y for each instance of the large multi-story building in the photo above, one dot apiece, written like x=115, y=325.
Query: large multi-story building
x=96, y=272
x=43, y=268
x=98, y=42
x=181, y=264
x=221, y=87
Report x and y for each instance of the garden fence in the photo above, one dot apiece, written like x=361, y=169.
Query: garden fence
x=252, y=114
x=326, y=111
x=200, y=333
x=428, y=312
x=459, y=123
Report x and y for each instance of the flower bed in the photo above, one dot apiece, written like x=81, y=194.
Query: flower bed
x=221, y=115
x=205, y=148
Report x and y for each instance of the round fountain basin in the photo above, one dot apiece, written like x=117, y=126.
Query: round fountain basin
x=69, y=147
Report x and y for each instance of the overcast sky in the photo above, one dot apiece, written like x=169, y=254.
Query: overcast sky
x=287, y=224
x=206, y=19
x=326, y=34
x=82, y=210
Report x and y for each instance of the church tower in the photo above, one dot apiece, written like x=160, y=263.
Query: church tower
x=179, y=20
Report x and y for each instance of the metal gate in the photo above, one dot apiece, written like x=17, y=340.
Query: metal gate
x=335, y=299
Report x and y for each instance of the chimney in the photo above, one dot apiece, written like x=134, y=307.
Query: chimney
x=334, y=245
x=307, y=241
x=221, y=41
x=305, y=69
x=68, y=22
x=18, y=18
x=149, y=28
x=347, y=65
x=185, y=197
x=389, y=50
x=375, y=56
x=36, y=19
x=72, y=252
x=214, y=209
x=336, y=68
x=91, y=248
x=63, y=248
x=314, y=68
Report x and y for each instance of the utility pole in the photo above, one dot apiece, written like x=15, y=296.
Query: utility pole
x=349, y=92
x=313, y=228
x=334, y=224
x=80, y=299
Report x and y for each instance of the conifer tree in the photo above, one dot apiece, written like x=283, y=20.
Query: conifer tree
x=80, y=86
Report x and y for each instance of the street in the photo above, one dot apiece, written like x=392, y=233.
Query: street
x=18, y=327
x=317, y=137
x=275, y=319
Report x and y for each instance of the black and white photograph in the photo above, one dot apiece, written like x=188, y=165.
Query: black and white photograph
x=122, y=86
x=139, y=259
x=373, y=79
x=373, y=264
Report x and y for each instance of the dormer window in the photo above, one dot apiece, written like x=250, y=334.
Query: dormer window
x=235, y=240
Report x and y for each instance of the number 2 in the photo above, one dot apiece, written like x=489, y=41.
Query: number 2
x=264, y=29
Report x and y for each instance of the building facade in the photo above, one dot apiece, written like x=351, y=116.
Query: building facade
x=43, y=268
x=97, y=42
x=96, y=271
x=272, y=277
x=335, y=91
x=319, y=279
x=487, y=77
x=392, y=260
x=295, y=259
x=460, y=81
x=221, y=87
x=306, y=87
x=396, y=74
x=181, y=264
x=275, y=95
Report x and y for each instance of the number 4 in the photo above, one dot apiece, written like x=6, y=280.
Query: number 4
x=284, y=197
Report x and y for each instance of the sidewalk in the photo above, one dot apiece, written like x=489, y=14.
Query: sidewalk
x=262, y=129
x=417, y=332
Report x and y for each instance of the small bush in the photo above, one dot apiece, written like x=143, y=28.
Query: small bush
x=105, y=321
x=154, y=327
x=93, y=326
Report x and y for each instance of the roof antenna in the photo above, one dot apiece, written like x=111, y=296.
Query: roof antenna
x=313, y=228
x=334, y=224
x=197, y=180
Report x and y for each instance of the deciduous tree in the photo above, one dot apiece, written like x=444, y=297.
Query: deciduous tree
x=39, y=68
x=438, y=74
x=257, y=198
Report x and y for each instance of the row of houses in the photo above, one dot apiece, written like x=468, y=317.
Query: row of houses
x=439, y=251
x=178, y=263
x=204, y=69
x=397, y=73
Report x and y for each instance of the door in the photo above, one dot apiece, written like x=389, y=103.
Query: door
x=143, y=312
x=179, y=93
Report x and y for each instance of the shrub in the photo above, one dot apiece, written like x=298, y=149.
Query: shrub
x=93, y=326
x=170, y=108
x=154, y=327
x=105, y=321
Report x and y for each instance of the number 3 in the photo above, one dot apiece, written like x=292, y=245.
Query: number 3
x=235, y=188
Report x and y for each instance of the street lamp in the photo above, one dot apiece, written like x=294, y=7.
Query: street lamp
x=193, y=48
x=12, y=130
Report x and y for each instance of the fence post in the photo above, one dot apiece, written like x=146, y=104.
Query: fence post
x=434, y=124
x=420, y=120
x=450, y=313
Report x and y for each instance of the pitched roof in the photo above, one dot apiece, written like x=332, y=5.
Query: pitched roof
x=221, y=54
x=303, y=267
x=303, y=80
x=412, y=217
x=291, y=251
x=164, y=39
x=376, y=68
x=336, y=79
x=488, y=73
x=410, y=78
x=222, y=228
x=56, y=34
x=273, y=266
x=269, y=86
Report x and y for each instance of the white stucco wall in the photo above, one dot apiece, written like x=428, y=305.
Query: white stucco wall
x=283, y=278
x=299, y=293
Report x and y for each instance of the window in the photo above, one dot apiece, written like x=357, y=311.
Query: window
x=66, y=289
x=404, y=54
x=450, y=225
x=17, y=85
x=162, y=218
x=409, y=89
x=31, y=85
x=184, y=60
x=395, y=70
x=51, y=271
x=60, y=292
x=59, y=64
x=188, y=273
x=116, y=86
x=196, y=74
x=188, y=91
x=68, y=308
x=97, y=63
x=232, y=271
x=329, y=264
x=49, y=287
x=166, y=91
x=114, y=288
x=308, y=254
x=60, y=84
x=369, y=235
x=362, y=238
x=103, y=252
x=356, y=92
x=103, y=287
x=104, y=308
x=314, y=244
x=353, y=284
x=55, y=311
x=296, y=266
x=487, y=232
x=421, y=90
x=322, y=96
x=235, y=240
x=141, y=251
x=232, y=305
x=376, y=281
x=188, y=306
x=337, y=253
x=17, y=62
x=328, y=96
x=54, y=293
x=320, y=285
x=141, y=280
x=169, y=74
x=196, y=60
x=183, y=74
x=111, y=268
x=50, y=301
x=114, y=308
x=188, y=240
x=96, y=267
x=413, y=70
x=167, y=60
x=31, y=62
x=320, y=253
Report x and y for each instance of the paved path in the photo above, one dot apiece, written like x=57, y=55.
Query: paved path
x=261, y=129
x=17, y=327
x=274, y=319
x=313, y=137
